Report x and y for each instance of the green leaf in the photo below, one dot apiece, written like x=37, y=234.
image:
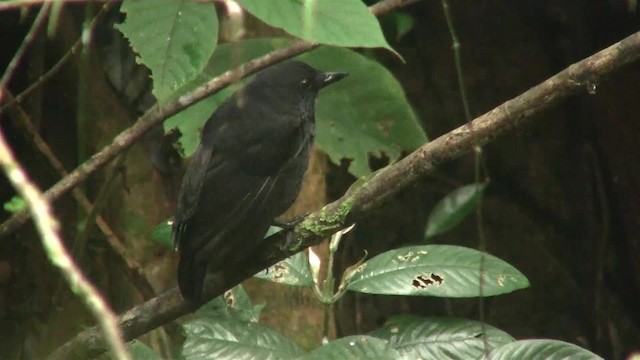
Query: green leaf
x=16, y=204
x=367, y=113
x=354, y=347
x=221, y=339
x=440, y=338
x=162, y=234
x=190, y=121
x=541, y=350
x=436, y=270
x=140, y=351
x=272, y=230
x=451, y=210
x=234, y=304
x=346, y=23
x=227, y=56
x=293, y=271
x=361, y=181
x=173, y=38
x=404, y=23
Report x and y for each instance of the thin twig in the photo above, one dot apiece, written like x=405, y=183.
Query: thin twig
x=48, y=228
x=17, y=57
x=55, y=68
x=98, y=205
x=157, y=114
x=455, y=46
x=478, y=160
x=45, y=222
x=356, y=205
x=79, y=243
x=134, y=269
x=601, y=247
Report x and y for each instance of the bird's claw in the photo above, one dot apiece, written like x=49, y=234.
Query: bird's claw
x=290, y=224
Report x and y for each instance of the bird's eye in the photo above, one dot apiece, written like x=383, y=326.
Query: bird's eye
x=305, y=82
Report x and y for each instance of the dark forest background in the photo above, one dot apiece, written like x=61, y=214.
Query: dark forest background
x=562, y=206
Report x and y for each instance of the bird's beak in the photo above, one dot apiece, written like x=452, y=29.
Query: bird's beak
x=331, y=77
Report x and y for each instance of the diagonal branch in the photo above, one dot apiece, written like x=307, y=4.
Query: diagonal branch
x=157, y=114
x=75, y=48
x=355, y=205
x=134, y=268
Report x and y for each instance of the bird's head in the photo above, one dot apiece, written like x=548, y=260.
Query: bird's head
x=291, y=82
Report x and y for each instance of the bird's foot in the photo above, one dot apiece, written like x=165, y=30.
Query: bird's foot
x=288, y=225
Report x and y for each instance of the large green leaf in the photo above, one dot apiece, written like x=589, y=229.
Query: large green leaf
x=173, y=38
x=541, y=350
x=436, y=270
x=436, y=338
x=451, y=210
x=367, y=113
x=354, y=347
x=347, y=23
x=222, y=339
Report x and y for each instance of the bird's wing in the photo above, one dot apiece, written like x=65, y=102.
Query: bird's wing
x=261, y=137
x=190, y=191
x=235, y=167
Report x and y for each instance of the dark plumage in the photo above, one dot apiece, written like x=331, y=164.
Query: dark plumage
x=247, y=170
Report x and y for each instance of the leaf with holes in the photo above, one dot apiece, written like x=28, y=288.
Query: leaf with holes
x=436, y=270
x=234, y=304
x=436, y=338
x=354, y=347
x=293, y=271
x=173, y=38
x=541, y=350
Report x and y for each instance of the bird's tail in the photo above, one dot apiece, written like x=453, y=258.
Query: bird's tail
x=191, y=276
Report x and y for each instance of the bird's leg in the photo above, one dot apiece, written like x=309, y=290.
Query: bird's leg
x=290, y=224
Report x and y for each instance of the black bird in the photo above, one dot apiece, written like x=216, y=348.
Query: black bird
x=247, y=170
